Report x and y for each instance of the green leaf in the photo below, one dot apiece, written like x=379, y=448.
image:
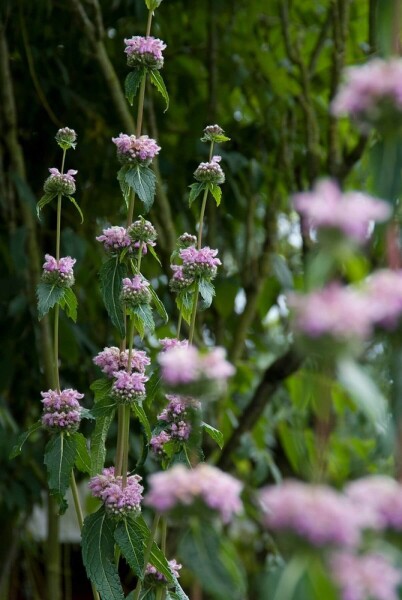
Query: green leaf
x=157, y=558
x=111, y=276
x=43, y=201
x=125, y=188
x=153, y=387
x=207, y=292
x=143, y=181
x=215, y=434
x=139, y=412
x=160, y=309
x=98, y=555
x=196, y=189
x=101, y=388
x=143, y=319
x=48, y=295
x=157, y=80
x=77, y=207
x=216, y=192
x=184, y=302
x=129, y=538
x=69, y=303
x=60, y=453
x=22, y=438
x=82, y=458
x=152, y=4
x=132, y=83
x=98, y=440
x=218, y=138
x=152, y=251
x=104, y=407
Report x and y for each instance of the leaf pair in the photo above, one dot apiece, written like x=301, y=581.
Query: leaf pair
x=141, y=180
x=135, y=78
x=49, y=197
x=198, y=187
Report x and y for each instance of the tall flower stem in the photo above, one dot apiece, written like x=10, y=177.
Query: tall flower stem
x=57, y=308
x=147, y=554
x=193, y=315
x=201, y=221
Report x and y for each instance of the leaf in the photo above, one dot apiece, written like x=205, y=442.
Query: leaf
x=60, y=453
x=215, y=434
x=157, y=80
x=111, y=274
x=216, y=192
x=98, y=553
x=22, y=438
x=143, y=319
x=196, y=189
x=152, y=4
x=104, y=407
x=82, y=458
x=48, y=295
x=184, y=302
x=77, y=207
x=125, y=188
x=43, y=201
x=160, y=309
x=156, y=257
x=179, y=594
x=132, y=83
x=139, y=412
x=142, y=180
x=153, y=387
x=157, y=558
x=69, y=303
x=207, y=292
x=98, y=439
x=101, y=388
x=129, y=538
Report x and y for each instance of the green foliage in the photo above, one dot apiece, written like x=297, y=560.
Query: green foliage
x=207, y=292
x=142, y=181
x=157, y=558
x=130, y=540
x=75, y=203
x=143, y=319
x=98, y=555
x=69, y=303
x=184, y=301
x=139, y=412
x=216, y=192
x=111, y=275
x=157, y=80
x=48, y=296
x=215, y=434
x=196, y=189
x=43, y=201
x=160, y=309
x=60, y=456
x=82, y=457
x=132, y=83
x=22, y=438
x=98, y=442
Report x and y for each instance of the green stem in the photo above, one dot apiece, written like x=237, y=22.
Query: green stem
x=58, y=227
x=139, y=257
x=120, y=436
x=126, y=443
x=147, y=554
x=56, y=346
x=179, y=325
x=150, y=15
x=201, y=222
x=130, y=212
x=193, y=316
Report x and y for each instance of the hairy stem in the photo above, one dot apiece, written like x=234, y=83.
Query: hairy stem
x=126, y=445
x=56, y=346
x=147, y=554
x=201, y=221
x=193, y=315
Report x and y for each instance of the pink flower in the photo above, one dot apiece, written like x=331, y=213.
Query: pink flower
x=111, y=360
x=136, y=150
x=168, y=343
x=61, y=409
x=118, y=501
x=381, y=498
x=59, y=272
x=158, y=441
x=60, y=183
x=114, y=238
x=151, y=571
x=144, y=51
x=128, y=387
x=135, y=291
x=199, y=263
x=210, y=172
x=384, y=292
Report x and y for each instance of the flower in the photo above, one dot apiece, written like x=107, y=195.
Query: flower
x=136, y=150
x=372, y=94
x=144, y=51
x=199, y=263
x=177, y=421
x=158, y=441
x=315, y=513
x=128, y=387
x=381, y=498
x=61, y=409
x=326, y=207
x=111, y=359
x=58, y=272
x=135, y=291
x=384, y=292
x=210, y=172
x=179, y=281
x=143, y=233
x=214, y=133
x=180, y=486
x=153, y=573
x=365, y=576
x=114, y=238
x=60, y=183
x=119, y=502
x=168, y=343
x=66, y=138
x=186, y=240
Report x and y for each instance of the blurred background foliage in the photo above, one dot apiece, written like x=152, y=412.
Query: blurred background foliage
x=266, y=72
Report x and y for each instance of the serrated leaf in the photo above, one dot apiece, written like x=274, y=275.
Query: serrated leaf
x=73, y=201
x=132, y=83
x=153, y=387
x=157, y=558
x=82, y=458
x=98, y=555
x=111, y=274
x=156, y=257
x=139, y=412
x=98, y=443
x=143, y=319
x=69, y=304
x=160, y=309
x=216, y=192
x=179, y=594
x=184, y=302
x=103, y=407
x=22, y=438
x=215, y=434
x=129, y=539
x=48, y=295
x=125, y=188
x=101, y=388
x=142, y=181
x=60, y=453
x=157, y=80
x=196, y=189
x=43, y=201
x=207, y=292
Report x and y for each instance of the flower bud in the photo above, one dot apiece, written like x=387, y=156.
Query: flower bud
x=144, y=52
x=66, y=138
x=60, y=183
x=210, y=172
x=135, y=291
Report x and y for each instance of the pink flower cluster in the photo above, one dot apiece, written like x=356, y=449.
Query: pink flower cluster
x=199, y=263
x=176, y=419
x=326, y=207
x=153, y=573
x=144, y=51
x=384, y=293
x=371, y=93
x=381, y=498
x=183, y=365
x=58, y=183
x=61, y=409
x=111, y=360
x=360, y=577
x=179, y=280
x=210, y=172
x=59, y=272
x=128, y=387
x=313, y=512
x=135, y=291
x=114, y=238
x=118, y=501
x=143, y=233
x=180, y=486
x=169, y=343
x=136, y=150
